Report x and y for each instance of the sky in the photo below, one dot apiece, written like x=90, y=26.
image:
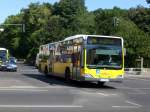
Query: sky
x=12, y=7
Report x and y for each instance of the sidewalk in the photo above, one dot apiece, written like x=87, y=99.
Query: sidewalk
x=138, y=74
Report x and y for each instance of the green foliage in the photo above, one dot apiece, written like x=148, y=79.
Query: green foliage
x=45, y=23
x=141, y=17
x=148, y=1
x=136, y=39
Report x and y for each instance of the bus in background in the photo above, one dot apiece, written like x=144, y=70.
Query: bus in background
x=42, y=59
x=37, y=60
x=4, y=55
x=92, y=58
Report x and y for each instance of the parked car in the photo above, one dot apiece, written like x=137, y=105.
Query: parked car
x=13, y=59
x=3, y=66
x=12, y=64
x=9, y=65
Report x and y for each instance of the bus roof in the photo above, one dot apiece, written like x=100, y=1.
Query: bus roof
x=84, y=36
x=3, y=49
x=80, y=35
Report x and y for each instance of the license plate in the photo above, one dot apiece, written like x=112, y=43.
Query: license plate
x=104, y=80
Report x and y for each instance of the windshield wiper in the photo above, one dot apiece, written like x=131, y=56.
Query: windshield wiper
x=106, y=66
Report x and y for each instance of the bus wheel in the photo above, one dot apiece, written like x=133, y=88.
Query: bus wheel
x=46, y=71
x=100, y=84
x=67, y=75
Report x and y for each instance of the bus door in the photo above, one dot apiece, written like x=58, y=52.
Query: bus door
x=76, y=62
x=50, y=63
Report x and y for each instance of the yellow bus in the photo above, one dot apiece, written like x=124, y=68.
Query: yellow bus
x=93, y=58
x=4, y=55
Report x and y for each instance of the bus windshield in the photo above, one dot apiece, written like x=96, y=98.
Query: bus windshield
x=104, y=56
x=3, y=55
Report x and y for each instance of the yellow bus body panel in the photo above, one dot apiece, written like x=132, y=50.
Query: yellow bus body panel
x=108, y=74
x=59, y=68
x=43, y=64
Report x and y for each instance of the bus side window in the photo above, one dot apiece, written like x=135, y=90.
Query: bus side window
x=78, y=59
x=75, y=57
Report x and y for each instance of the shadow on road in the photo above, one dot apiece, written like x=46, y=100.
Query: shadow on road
x=52, y=80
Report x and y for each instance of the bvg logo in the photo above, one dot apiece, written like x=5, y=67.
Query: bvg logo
x=97, y=72
x=105, y=73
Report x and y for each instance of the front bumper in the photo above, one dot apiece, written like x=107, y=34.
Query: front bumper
x=3, y=67
x=119, y=79
x=11, y=68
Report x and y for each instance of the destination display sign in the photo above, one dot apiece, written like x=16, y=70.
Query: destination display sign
x=104, y=41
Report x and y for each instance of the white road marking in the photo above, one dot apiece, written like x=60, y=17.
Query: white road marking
x=41, y=106
x=124, y=107
x=32, y=90
x=104, y=94
x=93, y=93
x=133, y=105
x=113, y=94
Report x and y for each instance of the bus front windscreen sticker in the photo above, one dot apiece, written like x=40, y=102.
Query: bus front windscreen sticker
x=97, y=71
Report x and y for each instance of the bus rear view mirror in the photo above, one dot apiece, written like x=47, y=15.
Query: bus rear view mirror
x=125, y=51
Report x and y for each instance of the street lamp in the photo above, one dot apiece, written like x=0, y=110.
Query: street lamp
x=22, y=26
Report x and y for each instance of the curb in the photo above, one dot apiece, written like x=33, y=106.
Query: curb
x=139, y=76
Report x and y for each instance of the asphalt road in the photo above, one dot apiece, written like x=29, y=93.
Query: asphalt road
x=30, y=91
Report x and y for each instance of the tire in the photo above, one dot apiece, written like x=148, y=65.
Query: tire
x=100, y=84
x=67, y=75
x=14, y=70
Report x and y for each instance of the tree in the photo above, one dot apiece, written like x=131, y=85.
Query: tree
x=136, y=40
x=104, y=19
x=72, y=12
x=148, y=1
x=47, y=23
x=141, y=17
x=69, y=8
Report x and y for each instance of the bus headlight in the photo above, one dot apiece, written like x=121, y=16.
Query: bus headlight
x=120, y=76
x=87, y=75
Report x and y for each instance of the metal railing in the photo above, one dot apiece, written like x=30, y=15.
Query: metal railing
x=137, y=71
